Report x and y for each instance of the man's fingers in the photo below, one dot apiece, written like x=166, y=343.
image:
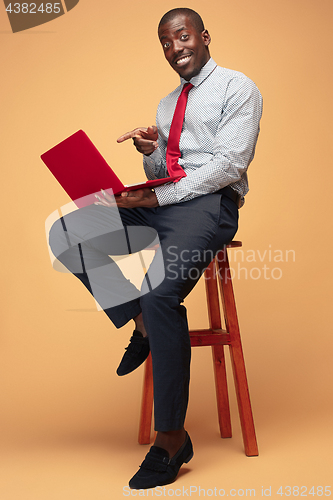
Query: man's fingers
x=152, y=130
x=129, y=135
x=144, y=139
x=105, y=199
x=124, y=137
x=139, y=141
x=144, y=146
x=107, y=196
x=151, y=133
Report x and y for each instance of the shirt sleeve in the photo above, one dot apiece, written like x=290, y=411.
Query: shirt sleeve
x=155, y=164
x=232, y=152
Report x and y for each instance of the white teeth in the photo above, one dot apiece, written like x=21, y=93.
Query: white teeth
x=182, y=59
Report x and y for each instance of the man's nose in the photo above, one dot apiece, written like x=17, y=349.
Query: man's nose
x=177, y=47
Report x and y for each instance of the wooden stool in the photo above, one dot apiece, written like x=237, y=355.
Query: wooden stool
x=216, y=337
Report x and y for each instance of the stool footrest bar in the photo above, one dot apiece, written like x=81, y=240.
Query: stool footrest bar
x=208, y=337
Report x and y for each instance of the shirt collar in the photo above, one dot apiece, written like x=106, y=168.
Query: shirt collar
x=205, y=71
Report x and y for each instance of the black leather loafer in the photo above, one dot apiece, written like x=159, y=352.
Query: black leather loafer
x=136, y=353
x=158, y=469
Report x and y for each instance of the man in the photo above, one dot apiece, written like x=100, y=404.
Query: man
x=198, y=215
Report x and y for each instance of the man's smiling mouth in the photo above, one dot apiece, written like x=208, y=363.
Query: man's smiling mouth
x=183, y=60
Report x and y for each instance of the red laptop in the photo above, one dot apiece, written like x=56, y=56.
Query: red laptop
x=82, y=171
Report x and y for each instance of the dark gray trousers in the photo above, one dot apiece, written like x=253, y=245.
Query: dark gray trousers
x=190, y=234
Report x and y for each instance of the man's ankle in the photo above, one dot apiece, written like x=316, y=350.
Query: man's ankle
x=170, y=441
x=139, y=325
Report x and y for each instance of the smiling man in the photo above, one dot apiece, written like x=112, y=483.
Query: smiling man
x=185, y=43
x=205, y=136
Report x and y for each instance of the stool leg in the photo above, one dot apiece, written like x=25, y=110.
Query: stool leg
x=221, y=386
x=237, y=358
x=146, y=403
x=220, y=374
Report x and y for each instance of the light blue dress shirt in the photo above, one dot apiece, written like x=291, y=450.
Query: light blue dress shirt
x=218, y=138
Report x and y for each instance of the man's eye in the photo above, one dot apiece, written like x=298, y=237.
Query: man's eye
x=184, y=37
x=166, y=45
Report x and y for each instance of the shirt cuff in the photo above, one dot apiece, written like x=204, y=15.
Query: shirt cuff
x=153, y=159
x=166, y=194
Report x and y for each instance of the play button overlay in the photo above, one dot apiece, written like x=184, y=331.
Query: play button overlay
x=25, y=15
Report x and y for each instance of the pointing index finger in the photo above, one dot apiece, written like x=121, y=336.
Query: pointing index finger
x=130, y=135
x=126, y=136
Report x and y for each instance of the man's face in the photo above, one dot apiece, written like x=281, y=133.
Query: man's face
x=185, y=49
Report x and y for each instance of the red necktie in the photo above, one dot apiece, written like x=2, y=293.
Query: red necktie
x=173, y=152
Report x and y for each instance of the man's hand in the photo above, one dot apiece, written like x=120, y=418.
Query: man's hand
x=144, y=139
x=130, y=199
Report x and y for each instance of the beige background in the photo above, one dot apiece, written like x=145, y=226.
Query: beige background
x=68, y=424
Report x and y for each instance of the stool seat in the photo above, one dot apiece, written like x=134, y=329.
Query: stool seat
x=218, y=272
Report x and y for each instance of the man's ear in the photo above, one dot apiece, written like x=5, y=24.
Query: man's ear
x=206, y=37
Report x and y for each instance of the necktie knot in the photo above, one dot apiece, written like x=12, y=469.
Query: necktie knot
x=187, y=87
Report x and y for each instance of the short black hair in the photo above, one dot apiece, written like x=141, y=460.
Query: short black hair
x=194, y=17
